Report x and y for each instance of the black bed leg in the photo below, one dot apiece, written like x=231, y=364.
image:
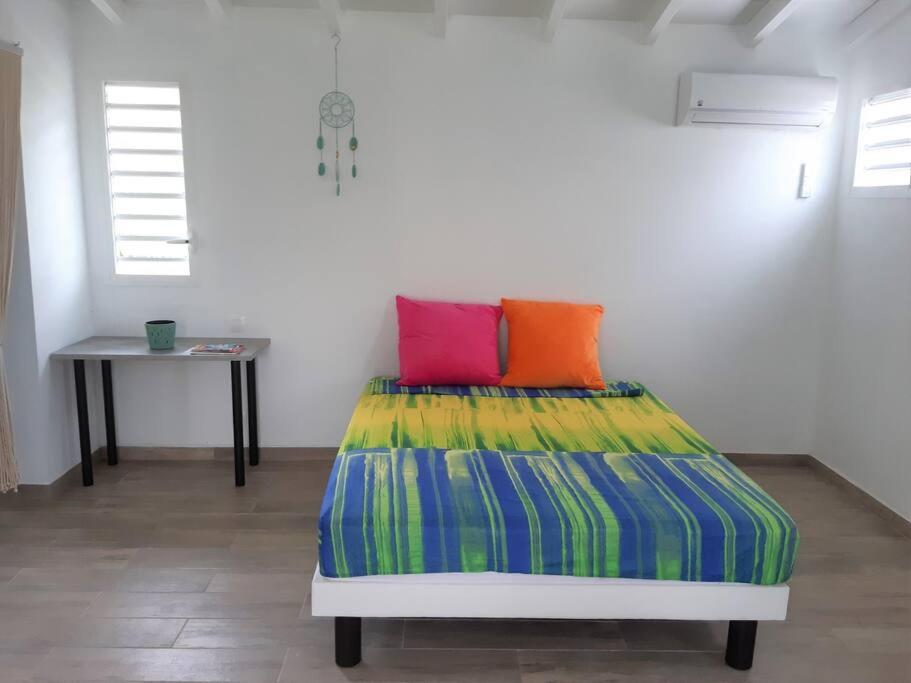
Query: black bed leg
x=347, y=641
x=741, y=640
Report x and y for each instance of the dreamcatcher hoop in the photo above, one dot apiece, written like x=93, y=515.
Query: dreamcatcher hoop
x=336, y=109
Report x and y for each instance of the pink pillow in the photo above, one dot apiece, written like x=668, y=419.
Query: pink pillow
x=442, y=343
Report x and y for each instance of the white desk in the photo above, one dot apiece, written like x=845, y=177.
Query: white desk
x=107, y=349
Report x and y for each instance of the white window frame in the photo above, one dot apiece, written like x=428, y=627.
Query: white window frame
x=883, y=191
x=131, y=279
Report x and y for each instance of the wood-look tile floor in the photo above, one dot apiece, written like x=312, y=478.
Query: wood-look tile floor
x=163, y=571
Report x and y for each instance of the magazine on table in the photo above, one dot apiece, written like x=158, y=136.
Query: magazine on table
x=216, y=349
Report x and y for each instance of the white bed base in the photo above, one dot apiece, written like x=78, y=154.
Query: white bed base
x=490, y=595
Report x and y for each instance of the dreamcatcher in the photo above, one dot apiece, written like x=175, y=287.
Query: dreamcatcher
x=336, y=110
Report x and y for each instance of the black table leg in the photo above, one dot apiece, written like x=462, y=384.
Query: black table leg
x=251, y=413
x=82, y=413
x=238, y=408
x=108, y=384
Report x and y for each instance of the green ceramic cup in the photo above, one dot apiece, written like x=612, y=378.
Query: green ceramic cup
x=160, y=334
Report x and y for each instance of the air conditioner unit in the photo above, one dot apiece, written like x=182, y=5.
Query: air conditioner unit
x=755, y=100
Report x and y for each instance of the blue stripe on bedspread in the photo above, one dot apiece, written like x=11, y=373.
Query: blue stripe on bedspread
x=691, y=517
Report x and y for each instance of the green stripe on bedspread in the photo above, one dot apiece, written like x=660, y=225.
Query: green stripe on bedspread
x=691, y=517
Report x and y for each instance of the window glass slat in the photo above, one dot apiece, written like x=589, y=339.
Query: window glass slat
x=874, y=136
x=156, y=250
x=145, y=140
x=147, y=163
x=886, y=155
x=133, y=206
x=133, y=227
x=144, y=118
x=147, y=184
x=166, y=268
x=900, y=106
x=141, y=94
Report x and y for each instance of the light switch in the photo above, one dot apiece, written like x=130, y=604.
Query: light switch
x=803, y=192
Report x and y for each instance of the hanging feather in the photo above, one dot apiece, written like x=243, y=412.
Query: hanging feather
x=354, y=170
x=320, y=143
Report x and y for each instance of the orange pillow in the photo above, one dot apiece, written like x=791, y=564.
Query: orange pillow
x=552, y=345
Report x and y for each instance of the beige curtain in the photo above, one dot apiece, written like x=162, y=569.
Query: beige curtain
x=10, y=90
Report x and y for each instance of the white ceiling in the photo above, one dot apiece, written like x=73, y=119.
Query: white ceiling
x=825, y=13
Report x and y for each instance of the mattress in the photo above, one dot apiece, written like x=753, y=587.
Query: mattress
x=587, y=486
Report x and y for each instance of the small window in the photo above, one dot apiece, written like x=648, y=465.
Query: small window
x=884, y=142
x=148, y=196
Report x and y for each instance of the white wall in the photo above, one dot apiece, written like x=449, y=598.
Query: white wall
x=50, y=301
x=864, y=429
x=491, y=164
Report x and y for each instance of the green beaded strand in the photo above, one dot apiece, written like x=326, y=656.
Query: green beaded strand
x=320, y=143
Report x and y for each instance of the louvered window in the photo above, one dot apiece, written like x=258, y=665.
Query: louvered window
x=148, y=195
x=884, y=142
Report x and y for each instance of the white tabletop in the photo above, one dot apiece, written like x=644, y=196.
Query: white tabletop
x=137, y=348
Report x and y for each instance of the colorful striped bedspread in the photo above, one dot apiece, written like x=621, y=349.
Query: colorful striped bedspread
x=612, y=486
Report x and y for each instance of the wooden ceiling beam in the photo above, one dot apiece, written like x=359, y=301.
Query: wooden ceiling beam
x=113, y=10
x=332, y=12
x=219, y=9
x=772, y=15
x=440, y=17
x=875, y=17
x=553, y=19
x=661, y=16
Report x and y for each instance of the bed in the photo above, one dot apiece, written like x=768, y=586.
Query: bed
x=495, y=502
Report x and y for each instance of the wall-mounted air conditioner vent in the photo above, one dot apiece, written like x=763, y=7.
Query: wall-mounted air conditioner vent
x=741, y=99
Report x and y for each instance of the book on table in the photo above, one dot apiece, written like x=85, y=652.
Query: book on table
x=216, y=349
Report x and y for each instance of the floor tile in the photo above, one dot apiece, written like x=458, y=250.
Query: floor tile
x=68, y=579
x=673, y=636
x=211, y=633
x=286, y=585
x=303, y=539
x=77, y=558
x=18, y=604
x=7, y=574
x=164, y=580
x=316, y=665
x=40, y=634
x=193, y=606
x=641, y=667
x=66, y=665
x=225, y=559
x=19, y=667
x=494, y=634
